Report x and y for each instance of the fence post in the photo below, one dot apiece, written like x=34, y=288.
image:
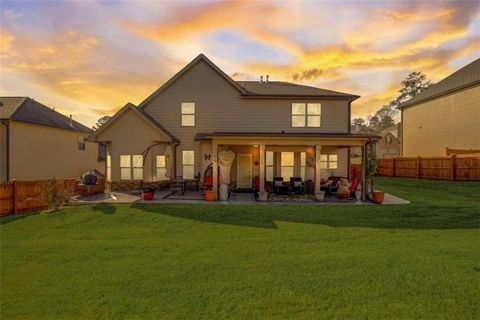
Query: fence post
x=453, y=165
x=14, y=196
x=419, y=162
x=393, y=167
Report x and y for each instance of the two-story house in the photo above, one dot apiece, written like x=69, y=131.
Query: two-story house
x=445, y=118
x=37, y=142
x=273, y=128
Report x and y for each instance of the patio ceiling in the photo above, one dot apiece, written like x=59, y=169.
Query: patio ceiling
x=309, y=139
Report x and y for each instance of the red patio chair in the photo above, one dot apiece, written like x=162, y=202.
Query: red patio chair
x=351, y=194
x=353, y=188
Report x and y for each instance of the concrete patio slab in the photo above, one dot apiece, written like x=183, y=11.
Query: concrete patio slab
x=235, y=199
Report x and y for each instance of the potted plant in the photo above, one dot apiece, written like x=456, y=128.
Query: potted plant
x=320, y=196
x=148, y=193
x=263, y=196
x=210, y=195
x=370, y=171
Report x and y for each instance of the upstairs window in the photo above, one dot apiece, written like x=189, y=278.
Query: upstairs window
x=81, y=143
x=328, y=161
x=188, y=114
x=314, y=113
x=306, y=115
x=298, y=114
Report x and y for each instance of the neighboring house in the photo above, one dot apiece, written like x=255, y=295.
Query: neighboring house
x=389, y=146
x=274, y=129
x=445, y=116
x=39, y=143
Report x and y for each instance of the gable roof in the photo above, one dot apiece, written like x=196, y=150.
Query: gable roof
x=465, y=77
x=25, y=109
x=252, y=89
x=142, y=114
x=200, y=57
x=287, y=89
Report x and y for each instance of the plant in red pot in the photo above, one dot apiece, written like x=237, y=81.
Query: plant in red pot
x=148, y=193
x=370, y=171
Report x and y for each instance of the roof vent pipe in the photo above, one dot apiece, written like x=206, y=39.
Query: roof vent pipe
x=71, y=124
x=267, y=78
x=261, y=78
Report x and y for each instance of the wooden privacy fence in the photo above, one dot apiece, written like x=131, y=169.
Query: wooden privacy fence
x=445, y=168
x=23, y=196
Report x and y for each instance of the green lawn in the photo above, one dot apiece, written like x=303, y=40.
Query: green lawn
x=420, y=260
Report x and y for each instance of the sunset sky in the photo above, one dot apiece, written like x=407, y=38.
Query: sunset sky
x=89, y=58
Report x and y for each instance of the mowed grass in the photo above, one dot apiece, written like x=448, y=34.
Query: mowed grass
x=414, y=261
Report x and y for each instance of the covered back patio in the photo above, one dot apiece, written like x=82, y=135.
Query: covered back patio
x=292, y=164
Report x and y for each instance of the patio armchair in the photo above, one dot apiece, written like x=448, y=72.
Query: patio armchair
x=348, y=193
x=278, y=186
x=331, y=185
x=297, y=185
x=353, y=188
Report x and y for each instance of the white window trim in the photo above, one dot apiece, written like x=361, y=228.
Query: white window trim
x=329, y=162
x=269, y=165
x=287, y=166
x=319, y=115
x=81, y=143
x=188, y=114
x=306, y=114
x=298, y=115
x=303, y=165
x=109, y=167
x=188, y=165
x=136, y=167
x=164, y=167
x=129, y=167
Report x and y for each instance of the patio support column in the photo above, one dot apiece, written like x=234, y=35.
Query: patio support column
x=262, y=167
x=318, y=152
x=364, y=165
x=215, y=169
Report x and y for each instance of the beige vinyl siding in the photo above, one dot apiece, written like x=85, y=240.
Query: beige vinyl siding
x=40, y=152
x=130, y=134
x=220, y=107
x=3, y=152
x=451, y=121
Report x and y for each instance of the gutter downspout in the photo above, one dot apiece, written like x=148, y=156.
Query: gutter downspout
x=7, y=125
x=401, y=135
x=349, y=132
x=175, y=145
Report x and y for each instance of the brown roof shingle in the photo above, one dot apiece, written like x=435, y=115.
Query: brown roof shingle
x=252, y=89
x=25, y=109
x=280, y=88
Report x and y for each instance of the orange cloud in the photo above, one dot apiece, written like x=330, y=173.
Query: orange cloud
x=6, y=39
x=257, y=19
x=83, y=69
